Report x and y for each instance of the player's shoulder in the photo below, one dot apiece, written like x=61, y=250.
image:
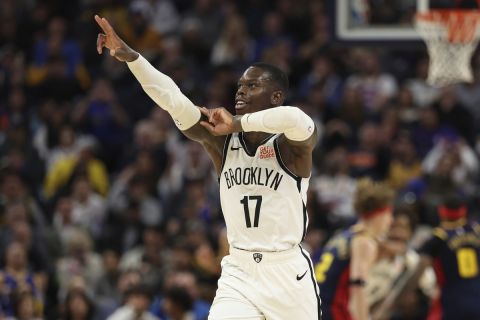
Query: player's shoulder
x=364, y=243
x=440, y=233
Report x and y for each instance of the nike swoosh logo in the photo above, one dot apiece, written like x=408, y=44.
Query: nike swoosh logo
x=301, y=277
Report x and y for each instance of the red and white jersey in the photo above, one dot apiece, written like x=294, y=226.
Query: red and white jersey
x=263, y=202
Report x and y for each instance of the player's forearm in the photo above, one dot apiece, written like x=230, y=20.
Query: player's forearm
x=161, y=89
x=358, y=304
x=291, y=121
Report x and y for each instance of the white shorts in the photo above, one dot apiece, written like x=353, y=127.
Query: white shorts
x=266, y=285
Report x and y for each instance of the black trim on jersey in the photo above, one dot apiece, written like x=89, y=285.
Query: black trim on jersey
x=225, y=150
x=304, y=220
x=284, y=167
x=244, y=144
x=312, y=277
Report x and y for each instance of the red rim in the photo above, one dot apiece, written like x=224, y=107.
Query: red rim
x=461, y=24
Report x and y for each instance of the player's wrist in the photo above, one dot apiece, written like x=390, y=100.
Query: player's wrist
x=131, y=55
x=237, y=123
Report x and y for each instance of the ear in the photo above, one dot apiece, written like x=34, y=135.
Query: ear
x=277, y=98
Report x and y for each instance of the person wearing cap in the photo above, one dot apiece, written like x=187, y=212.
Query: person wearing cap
x=454, y=252
x=342, y=272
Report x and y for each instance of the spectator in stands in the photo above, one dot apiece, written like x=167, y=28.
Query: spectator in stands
x=135, y=306
x=88, y=207
x=13, y=193
x=26, y=306
x=101, y=114
x=78, y=306
x=453, y=114
x=139, y=28
x=131, y=191
x=423, y=94
x=58, y=179
x=79, y=261
x=149, y=258
x=375, y=86
x=234, y=46
x=17, y=277
x=428, y=190
x=466, y=162
x=178, y=304
x=404, y=163
x=333, y=190
x=369, y=158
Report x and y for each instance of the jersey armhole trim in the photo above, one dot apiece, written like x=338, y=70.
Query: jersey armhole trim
x=282, y=164
x=225, y=150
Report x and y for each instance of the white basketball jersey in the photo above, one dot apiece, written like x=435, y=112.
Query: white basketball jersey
x=262, y=201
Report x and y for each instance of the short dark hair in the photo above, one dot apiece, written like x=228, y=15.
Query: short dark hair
x=180, y=297
x=454, y=201
x=277, y=75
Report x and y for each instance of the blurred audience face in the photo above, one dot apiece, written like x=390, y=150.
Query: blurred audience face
x=428, y=118
x=16, y=256
x=145, y=133
x=111, y=261
x=145, y=163
x=22, y=232
x=127, y=280
x=16, y=213
x=446, y=165
x=25, y=306
x=369, y=135
x=12, y=187
x=77, y=305
x=81, y=189
x=64, y=209
x=399, y=236
x=183, y=279
x=67, y=137
x=139, y=302
x=404, y=149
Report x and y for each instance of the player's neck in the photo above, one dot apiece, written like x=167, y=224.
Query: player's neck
x=370, y=229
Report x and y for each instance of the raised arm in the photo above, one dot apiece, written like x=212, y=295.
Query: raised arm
x=161, y=89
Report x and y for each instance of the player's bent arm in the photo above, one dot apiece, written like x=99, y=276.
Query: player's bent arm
x=364, y=252
x=298, y=139
x=212, y=144
x=296, y=125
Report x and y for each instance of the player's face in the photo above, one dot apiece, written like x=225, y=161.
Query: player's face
x=254, y=91
x=385, y=221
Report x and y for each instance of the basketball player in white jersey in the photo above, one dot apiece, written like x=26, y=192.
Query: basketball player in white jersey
x=263, y=157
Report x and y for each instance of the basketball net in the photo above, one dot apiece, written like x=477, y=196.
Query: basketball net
x=451, y=37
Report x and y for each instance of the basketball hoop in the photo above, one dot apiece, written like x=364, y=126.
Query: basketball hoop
x=451, y=37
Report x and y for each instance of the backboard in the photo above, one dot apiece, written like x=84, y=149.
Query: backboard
x=385, y=20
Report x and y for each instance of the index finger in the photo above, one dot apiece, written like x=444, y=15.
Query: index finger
x=100, y=22
x=204, y=111
x=104, y=24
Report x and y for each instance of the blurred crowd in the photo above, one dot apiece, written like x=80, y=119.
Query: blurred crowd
x=105, y=208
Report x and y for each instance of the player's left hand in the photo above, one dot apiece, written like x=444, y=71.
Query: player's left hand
x=220, y=121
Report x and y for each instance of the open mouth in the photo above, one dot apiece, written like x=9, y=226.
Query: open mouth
x=239, y=104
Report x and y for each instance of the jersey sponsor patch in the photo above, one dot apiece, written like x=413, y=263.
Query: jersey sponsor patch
x=267, y=152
